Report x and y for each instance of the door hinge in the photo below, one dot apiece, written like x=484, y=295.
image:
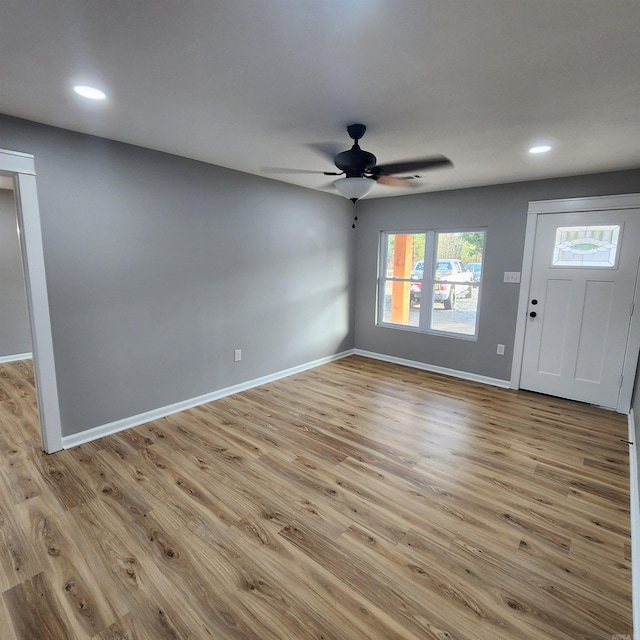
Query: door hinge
x=621, y=379
x=632, y=308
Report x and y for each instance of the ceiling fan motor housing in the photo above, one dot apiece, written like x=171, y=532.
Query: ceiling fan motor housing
x=355, y=161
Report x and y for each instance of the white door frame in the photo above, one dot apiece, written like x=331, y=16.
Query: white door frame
x=575, y=205
x=21, y=168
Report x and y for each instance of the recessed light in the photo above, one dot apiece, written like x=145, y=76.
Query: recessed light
x=543, y=148
x=90, y=92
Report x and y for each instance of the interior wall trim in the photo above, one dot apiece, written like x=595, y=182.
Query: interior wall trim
x=16, y=357
x=590, y=203
x=20, y=167
x=101, y=431
x=455, y=373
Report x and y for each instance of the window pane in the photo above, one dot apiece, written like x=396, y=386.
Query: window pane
x=456, y=281
x=586, y=246
x=460, y=319
x=397, y=308
x=405, y=252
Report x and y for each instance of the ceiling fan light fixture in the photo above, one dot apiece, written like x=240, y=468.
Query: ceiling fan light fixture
x=354, y=188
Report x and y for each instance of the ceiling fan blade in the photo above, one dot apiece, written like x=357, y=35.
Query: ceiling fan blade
x=433, y=162
x=327, y=150
x=277, y=170
x=392, y=181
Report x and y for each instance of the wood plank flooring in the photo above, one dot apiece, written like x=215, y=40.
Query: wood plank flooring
x=355, y=501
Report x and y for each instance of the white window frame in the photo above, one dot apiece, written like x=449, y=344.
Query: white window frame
x=428, y=281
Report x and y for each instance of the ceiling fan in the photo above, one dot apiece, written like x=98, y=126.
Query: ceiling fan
x=361, y=171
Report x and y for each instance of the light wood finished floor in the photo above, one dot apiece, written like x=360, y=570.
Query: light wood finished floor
x=356, y=501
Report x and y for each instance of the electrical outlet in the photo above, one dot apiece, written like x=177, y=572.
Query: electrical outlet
x=512, y=276
x=237, y=355
x=500, y=350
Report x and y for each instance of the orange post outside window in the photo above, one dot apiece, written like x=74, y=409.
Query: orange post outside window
x=402, y=256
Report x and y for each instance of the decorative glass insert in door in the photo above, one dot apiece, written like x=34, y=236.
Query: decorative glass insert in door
x=587, y=246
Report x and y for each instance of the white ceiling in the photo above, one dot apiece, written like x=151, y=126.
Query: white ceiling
x=250, y=84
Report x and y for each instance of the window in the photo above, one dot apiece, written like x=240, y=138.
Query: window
x=586, y=246
x=447, y=264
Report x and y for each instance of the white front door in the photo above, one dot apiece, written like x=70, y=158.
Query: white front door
x=580, y=304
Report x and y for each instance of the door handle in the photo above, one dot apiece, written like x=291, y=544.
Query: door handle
x=534, y=301
x=533, y=314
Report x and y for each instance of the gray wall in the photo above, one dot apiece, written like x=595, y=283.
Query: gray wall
x=15, y=334
x=158, y=267
x=502, y=209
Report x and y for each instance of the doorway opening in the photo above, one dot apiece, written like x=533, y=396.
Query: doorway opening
x=15, y=331
x=20, y=169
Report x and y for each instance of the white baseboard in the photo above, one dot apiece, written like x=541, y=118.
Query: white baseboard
x=155, y=414
x=16, y=357
x=634, y=498
x=496, y=382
